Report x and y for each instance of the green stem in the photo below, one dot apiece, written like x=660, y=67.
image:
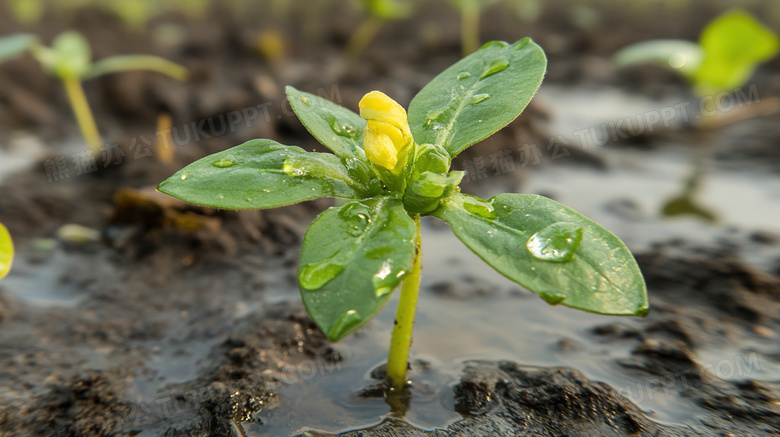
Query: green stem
x=469, y=31
x=78, y=101
x=397, y=361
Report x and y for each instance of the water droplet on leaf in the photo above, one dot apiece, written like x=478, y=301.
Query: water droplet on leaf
x=480, y=208
x=305, y=101
x=464, y=75
x=184, y=177
x=494, y=44
x=224, y=163
x=384, y=280
x=339, y=128
x=346, y=323
x=476, y=98
x=357, y=216
x=557, y=242
x=494, y=67
x=552, y=298
x=314, y=276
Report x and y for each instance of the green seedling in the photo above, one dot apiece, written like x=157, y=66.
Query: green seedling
x=390, y=169
x=728, y=52
x=70, y=59
x=25, y=11
x=470, y=11
x=379, y=12
x=6, y=251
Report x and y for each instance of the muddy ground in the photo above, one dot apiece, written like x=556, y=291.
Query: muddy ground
x=171, y=322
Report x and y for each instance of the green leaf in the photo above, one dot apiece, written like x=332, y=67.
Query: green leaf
x=335, y=126
x=677, y=54
x=734, y=44
x=389, y=9
x=477, y=96
x=72, y=56
x=260, y=174
x=15, y=45
x=6, y=251
x=117, y=64
x=551, y=250
x=352, y=259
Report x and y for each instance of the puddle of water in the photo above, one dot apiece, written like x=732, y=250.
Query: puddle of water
x=511, y=325
x=40, y=283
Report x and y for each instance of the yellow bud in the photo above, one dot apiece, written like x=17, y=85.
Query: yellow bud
x=387, y=130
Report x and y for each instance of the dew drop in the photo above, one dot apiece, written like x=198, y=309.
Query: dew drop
x=494, y=44
x=339, y=128
x=552, y=298
x=224, y=163
x=521, y=44
x=184, y=177
x=346, y=323
x=379, y=252
x=557, y=242
x=480, y=208
x=314, y=276
x=357, y=217
x=494, y=67
x=476, y=98
x=384, y=281
x=305, y=101
x=464, y=75
x=434, y=115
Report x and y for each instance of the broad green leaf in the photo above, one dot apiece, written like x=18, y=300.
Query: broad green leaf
x=734, y=44
x=353, y=257
x=117, y=64
x=551, y=250
x=477, y=96
x=6, y=251
x=335, y=126
x=260, y=174
x=677, y=54
x=14, y=45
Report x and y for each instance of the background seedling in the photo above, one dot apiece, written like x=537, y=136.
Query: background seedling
x=470, y=11
x=391, y=169
x=728, y=52
x=379, y=11
x=70, y=59
x=726, y=56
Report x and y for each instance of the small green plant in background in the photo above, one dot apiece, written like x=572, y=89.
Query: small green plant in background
x=392, y=168
x=6, y=251
x=379, y=12
x=70, y=59
x=728, y=52
x=25, y=11
x=470, y=11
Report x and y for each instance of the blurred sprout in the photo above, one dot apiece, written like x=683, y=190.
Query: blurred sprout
x=70, y=59
x=134, y=13
x=26, y=11
x=729, y=50
x=470, y=11
x=379, y=12
x=527, y=10
x=272, y=45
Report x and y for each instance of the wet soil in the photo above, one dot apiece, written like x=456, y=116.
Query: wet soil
x=180, y=320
